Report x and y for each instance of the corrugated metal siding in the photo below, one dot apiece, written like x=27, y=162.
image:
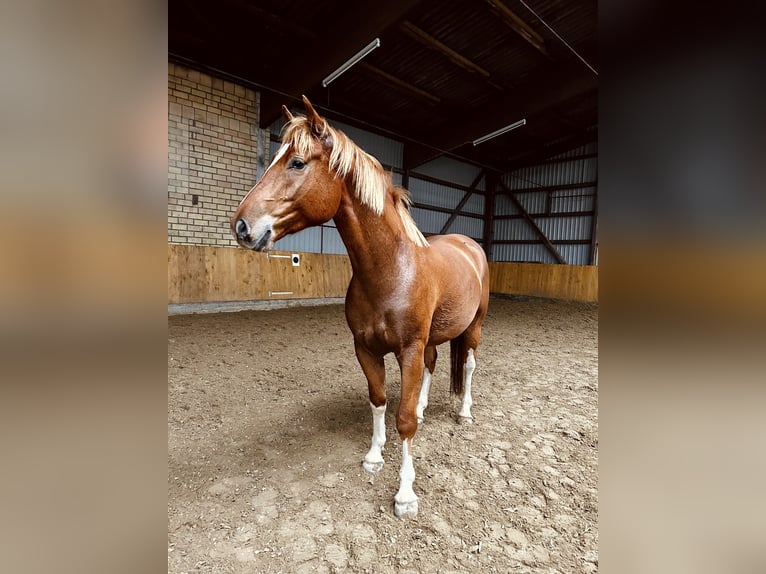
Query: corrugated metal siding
x=522, y=252
x=429, y=221
x=332, y=243
x=557, y=228
x=575, y=254
x=551, y=201
x=504, y=206
x=430, y=193
x=306, y=241
x=448, y=169
x=469, y=226
x=513, y=229
x=553, y=174
x=569, y=200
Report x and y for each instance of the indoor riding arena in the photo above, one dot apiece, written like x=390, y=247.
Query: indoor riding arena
x=486, y=112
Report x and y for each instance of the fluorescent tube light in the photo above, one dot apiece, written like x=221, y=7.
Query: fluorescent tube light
x=353, y=60
x=499, y=132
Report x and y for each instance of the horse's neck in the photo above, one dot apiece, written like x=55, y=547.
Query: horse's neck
x=375, y=243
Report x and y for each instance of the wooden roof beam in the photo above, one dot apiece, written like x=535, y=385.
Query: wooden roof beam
x=401, y=84
x=362, y=21
x=458, y=59
x=518, y=25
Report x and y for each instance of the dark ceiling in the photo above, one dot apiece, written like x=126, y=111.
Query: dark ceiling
x=446, y=72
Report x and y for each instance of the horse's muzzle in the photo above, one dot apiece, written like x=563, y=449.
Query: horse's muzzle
x=242, y=230
x=244, y=235
x=263, y=241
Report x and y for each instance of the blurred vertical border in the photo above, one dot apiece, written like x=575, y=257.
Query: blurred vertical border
x=683, y=287
x=83, y=167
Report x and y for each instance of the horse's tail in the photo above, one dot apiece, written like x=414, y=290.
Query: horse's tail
x=457, y=364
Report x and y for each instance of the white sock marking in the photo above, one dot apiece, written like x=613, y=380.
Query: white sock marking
x=470, y=366
x=373, y=460
x=405, y=500
x=425, y=386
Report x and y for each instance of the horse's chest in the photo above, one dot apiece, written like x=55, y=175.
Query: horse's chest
x=382, y=328
x=377, y=333
x=385, y=322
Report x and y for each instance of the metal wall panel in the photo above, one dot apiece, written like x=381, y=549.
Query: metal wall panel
x=469, y=226
x=306, y=241
x=331, y=241
x=448, y=169
x=504, y=206
x=439, y=195
x=429, y=221
x=553, y=174
x=522, y=253
x=563, y=228
x=513, y=229
x=569, y=200
x=556, y=228
x=575, y=254
x=538, y=253
x=533, y=202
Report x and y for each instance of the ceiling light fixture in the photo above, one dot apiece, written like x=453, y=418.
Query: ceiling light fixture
x=499, y=132
x=351, y=61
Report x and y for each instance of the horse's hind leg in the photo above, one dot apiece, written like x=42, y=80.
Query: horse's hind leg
x=472, y=337
x=425, y=385
x=375, y=371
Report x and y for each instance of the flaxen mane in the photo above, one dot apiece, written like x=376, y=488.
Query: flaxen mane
x=371, y=182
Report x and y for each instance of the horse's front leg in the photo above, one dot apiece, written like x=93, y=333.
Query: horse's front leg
x=375, y=371
x=411, y=365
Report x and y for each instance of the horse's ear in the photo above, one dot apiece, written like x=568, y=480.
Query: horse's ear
x=287, y=114
x=318, y=124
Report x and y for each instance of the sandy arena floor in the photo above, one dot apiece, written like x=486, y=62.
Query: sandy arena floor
x=268, y=422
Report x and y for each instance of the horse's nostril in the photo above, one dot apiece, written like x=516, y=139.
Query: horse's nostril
x=241, y=228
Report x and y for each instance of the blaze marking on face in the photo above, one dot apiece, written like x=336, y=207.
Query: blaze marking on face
x=280, y=152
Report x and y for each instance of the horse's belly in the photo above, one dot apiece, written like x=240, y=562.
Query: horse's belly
x=448, y=323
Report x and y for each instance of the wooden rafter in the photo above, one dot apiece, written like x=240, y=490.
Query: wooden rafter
x=414, y=90
x=518, y=25
x=458, y=59
x=362, y=22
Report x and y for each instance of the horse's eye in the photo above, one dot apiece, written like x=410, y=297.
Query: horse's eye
x=296, y=163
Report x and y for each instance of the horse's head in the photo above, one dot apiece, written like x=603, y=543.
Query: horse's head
x=297, y=190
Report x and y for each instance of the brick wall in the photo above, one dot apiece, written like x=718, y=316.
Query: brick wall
x=212, y=143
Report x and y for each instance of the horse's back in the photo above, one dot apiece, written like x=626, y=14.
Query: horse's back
x=454, y=248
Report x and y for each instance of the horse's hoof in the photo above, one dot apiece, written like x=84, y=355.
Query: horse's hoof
x=463, y=420
x=406, y=509
x=372, y=467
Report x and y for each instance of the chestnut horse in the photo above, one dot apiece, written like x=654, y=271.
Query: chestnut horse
x=407, y=295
